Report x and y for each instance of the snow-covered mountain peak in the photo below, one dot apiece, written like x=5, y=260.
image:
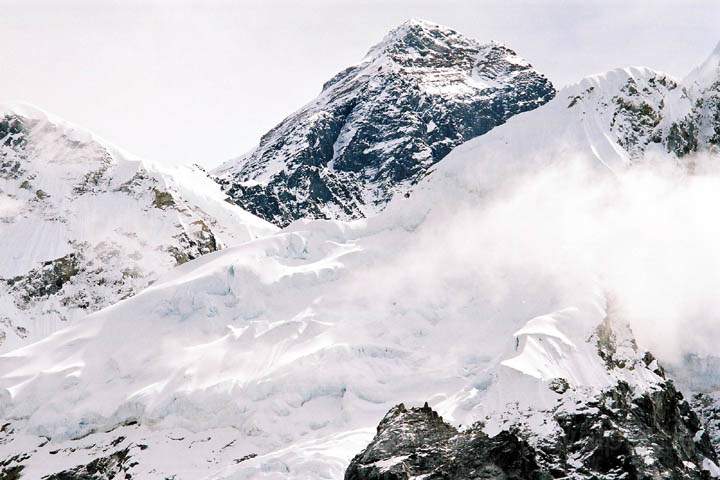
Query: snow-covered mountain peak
x=84, y=224
x=632, y=84
x=421, y=48
x=418, y=23
x=413, y=27
x=29, y=111
x=285, y=351
x=24, y=110
x=418, y=42
x=614, y=80
x=379, y=126
x=482, y=290
x=35, y=118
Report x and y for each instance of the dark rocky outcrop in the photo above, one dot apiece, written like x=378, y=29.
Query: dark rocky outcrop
x=46, y=280
x=628, y=434
x=641, y=427
x=621, y=434
x=699, y=129
x=416, y=442
x=113, y=466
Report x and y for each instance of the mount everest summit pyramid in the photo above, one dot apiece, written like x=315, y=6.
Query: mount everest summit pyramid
x=378, y=127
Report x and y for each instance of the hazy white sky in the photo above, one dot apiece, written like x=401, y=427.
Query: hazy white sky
x=184, y=81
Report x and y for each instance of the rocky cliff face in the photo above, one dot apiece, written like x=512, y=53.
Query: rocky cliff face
x=380, y=126
x=629, y=430
x=416, y=442
x=620, y=434
x=84, y=225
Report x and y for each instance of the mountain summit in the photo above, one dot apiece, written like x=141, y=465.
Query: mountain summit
x=378, y=127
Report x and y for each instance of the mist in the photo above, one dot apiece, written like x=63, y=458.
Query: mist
x=645, y=239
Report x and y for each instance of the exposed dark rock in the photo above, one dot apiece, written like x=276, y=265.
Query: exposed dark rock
x=559, y=385
x=639, y=117
x=13, y=131
x=642, y=431
x=245, y=458
x=700, y=128
x=112, y=467
x=621, y=434
x=708, y=407
x=416, y=442
x=13, y=135
x=163, y=199
x=11, y=468
x=45, y=280
x=93, y=179
x=629, y=434
x=378, y=127
x=195, y=244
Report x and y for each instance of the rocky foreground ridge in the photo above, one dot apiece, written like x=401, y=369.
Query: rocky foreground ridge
x=625, y=432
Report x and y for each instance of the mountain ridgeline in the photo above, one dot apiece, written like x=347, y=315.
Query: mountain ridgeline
x=378, y=127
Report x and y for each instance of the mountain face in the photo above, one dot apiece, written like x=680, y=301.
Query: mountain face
x=417, y=442
x=71, y=209
x=378, y=127
x=660, y=438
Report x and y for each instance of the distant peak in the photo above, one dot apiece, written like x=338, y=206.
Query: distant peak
x=37, y=116
x=613, y=80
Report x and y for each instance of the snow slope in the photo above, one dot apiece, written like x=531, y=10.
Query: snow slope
x=481, y=294
x=73, y=210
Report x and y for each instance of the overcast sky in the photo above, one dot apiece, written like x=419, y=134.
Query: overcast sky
x=201, y=81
